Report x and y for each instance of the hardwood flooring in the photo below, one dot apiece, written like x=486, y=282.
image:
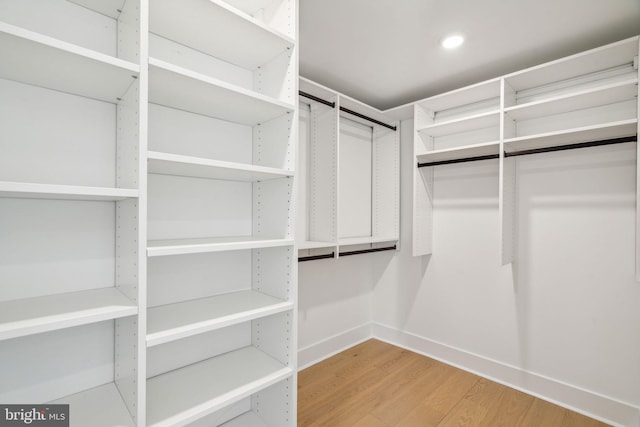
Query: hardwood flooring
x=375, y=384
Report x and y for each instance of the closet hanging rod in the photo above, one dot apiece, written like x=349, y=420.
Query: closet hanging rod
x=572, y=146
x=535, y=151
x=315, y=98
x=462, y=160
x=347, y=110
x=366, y=251
x=314, y=257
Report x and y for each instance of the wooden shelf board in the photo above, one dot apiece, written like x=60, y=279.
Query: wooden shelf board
x=467, y=95
x=212, y=244
x=186, y=394
x=27, y=190
x=108, y=8
x=174, y=164
x=348, y=241
x=450, y=127
x=580, y=64
x=46, y=313
x=248, y=419
x=199, y=24
x=607, y=94
x=475, y=150
x=308, y=244
x=572, y=136
x=39, y=60
x=97, y=407
x=180, y=320
x=179, y=88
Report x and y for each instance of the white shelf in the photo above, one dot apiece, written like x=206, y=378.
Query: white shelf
x=348, y=241
x=39, y=60
x=26, y=190
x=599, y=59
x=108, y=8
x=466, y=124
x=476, y=150
x=46, y=313
x=174, y=164
x=572, y=136
x=248, y=419
x=309, y=244
x=180, y=320
x=604, y=95
x=218, y=29
x=97, y=407
x=212, y=244
x=464, y=96
x=189, y=393
x=180, y=88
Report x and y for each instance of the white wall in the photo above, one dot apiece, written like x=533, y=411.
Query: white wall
x=565, y=321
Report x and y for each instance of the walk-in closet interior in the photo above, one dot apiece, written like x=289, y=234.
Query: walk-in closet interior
x=201, y=198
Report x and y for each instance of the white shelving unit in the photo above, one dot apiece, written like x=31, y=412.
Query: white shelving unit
x=590, y=98
x=147, y=181
x=221, y=286
x=339, y=209
x=72, y=129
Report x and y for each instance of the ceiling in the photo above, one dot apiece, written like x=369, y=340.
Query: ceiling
x=386, y=53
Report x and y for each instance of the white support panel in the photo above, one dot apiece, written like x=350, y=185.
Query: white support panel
x=637, y=65
x=218, y=29
x=196, y=167
x=594, y=60
x=39, y=60
x=46, y=313
x=212, y=244
x=467, y=151
x=177, y=87
x=601, y=95
x=187, y=394
x=466, y=124
x=97, y=407
x=27, y=190
x=175, y=321
x=617, y=129
x=385, y=204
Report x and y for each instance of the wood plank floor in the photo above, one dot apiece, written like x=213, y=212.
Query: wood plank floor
x=375, y=384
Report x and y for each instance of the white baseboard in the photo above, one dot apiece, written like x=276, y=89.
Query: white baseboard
x=591, y=404
x=328, y=347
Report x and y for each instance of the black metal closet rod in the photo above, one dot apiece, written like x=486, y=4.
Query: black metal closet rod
x=534, y=151
x=572, y=146
x=366, y=251
x=314, y=257
x=346, y=110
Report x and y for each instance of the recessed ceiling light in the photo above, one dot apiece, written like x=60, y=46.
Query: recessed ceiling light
x=452, y=41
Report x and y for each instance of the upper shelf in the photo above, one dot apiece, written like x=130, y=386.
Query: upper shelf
x=467, y=95
x=604, y=131
x=186, y=394
x=27, y=190
x=110, y=8
x=478, y=121
x=174, y=164
x=309, y=244
x=347, y=241
x=39, y=60
x=212, y=244
x=177, y=87
x=199, y=24
x=180, y=320
x=601, y=95
x=591, y=61
x=46, y=313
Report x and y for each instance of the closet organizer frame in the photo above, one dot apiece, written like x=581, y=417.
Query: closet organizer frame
x=73, y=331
x=223, y=136
x=326, y=109
x=585, y=100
